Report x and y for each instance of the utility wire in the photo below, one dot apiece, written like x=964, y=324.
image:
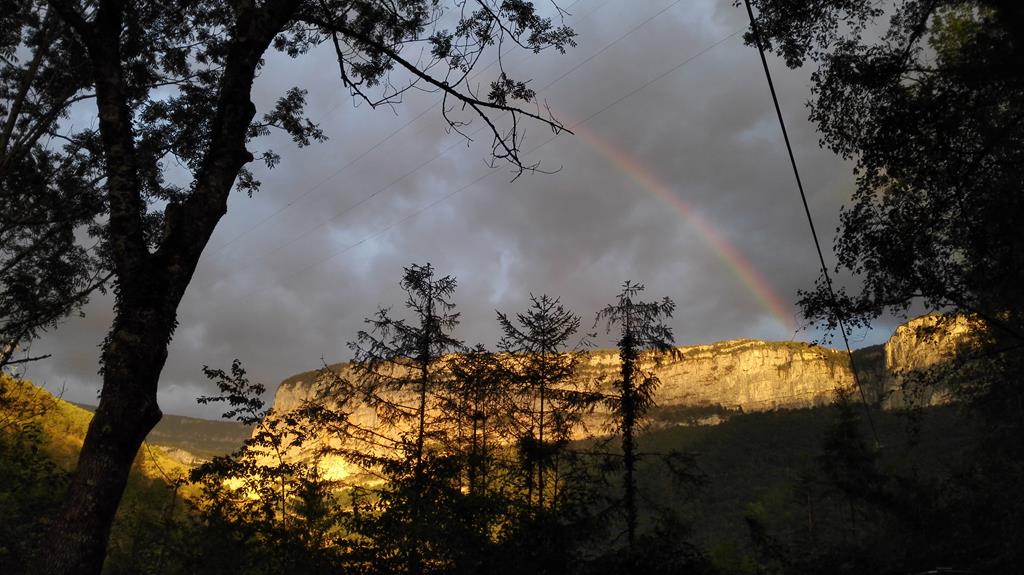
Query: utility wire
x=530, y=151
x=490, y=173
x=221, y=248
x=810, y=222
x=456, y=143
x=686, y=61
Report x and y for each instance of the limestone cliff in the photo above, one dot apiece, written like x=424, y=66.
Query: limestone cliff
x=742, y=375
x=729, y=376
x=916, y=354
x=751, y=375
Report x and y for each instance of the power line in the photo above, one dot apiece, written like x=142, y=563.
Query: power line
x=456, y=143
x=703, y=51
x=531, y=150
x=490, y=173
x=220, y=249
x=810, y=221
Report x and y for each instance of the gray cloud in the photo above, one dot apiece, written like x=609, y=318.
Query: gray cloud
x=285, y=293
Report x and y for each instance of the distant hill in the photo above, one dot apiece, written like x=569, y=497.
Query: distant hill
x=203, y=438
x=63, y=426
x=40, y=438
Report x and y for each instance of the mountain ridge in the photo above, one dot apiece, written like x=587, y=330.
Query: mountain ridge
x=756, y=375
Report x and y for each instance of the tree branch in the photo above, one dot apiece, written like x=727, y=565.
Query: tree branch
x=505, y=144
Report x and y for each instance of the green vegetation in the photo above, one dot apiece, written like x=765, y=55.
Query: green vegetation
x=759, y=463
x=40, y=437
x=61, y=426
x=174, y=81
x=201, y=437
x=466, y=466
x=437, y=462
x=760, y=467
x=308, y=377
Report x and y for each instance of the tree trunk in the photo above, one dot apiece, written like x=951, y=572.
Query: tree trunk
x=133, y=359
x=150, y=285
x=541, y=453
x=629, y=448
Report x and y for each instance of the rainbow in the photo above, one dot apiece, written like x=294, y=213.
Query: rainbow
x=740, y=266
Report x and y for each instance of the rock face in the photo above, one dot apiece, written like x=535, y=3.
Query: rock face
x=922, y=344
x=744, y=374
x=752, y=375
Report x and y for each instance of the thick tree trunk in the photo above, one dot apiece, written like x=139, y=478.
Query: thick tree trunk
x=150, y=289
x=415, y=558
x=133, y=357
x=150, y=285
x=542, y=452
x=127, y=412
x=629, y=455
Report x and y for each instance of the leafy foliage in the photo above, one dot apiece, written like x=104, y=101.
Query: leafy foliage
x=28, y=475
x=930, y=108
x=929, y=104
x=49, y=178
x=171, y=82
x=259, y=511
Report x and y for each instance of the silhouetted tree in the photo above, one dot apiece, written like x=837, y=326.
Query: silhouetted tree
x=543, y=363
x=265, y=508
x=930, y=106
x=171, y=82
x=401, y=370
x=847, y=460
x=48, y=192
x=550, y=519
x=643, y=337
x=479, y=404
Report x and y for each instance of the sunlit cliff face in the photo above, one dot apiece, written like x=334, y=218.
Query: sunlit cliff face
x=737, y=375
x=335, y=468
x=331, y=468
x=919, y=353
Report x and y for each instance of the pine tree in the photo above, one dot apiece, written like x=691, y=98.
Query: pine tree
x=543, y=364
x=401, y=371
x=643, y=335
x=477, y=405
x=175, y=132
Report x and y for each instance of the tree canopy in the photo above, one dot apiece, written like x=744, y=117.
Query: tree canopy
x=927, y=96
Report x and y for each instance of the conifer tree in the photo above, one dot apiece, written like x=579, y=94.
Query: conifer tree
x=400, y=369
x=175, y=132
x=478, y=404
x=643, y=336
x=262, y=509
x=543, y=364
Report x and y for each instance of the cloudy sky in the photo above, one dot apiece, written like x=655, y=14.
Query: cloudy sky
x=676, y=178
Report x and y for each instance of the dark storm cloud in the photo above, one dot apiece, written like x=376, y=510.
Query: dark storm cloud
x=283, y=294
